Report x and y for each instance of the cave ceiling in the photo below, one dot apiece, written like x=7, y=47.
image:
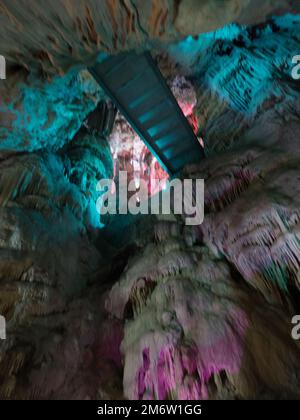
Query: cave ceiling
x=49, y=93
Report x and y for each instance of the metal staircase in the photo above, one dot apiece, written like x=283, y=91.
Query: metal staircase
x=136, y=86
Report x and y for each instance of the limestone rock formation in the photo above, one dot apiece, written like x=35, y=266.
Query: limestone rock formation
x=195, y=330
x=144, y=306
x=47, y=261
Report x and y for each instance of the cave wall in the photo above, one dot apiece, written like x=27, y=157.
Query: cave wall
x=194, y=329
x=147, y=308
x=48, y=268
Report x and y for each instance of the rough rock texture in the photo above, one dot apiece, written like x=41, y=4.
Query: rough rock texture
x=174, y=312
x=195, y=330
x=46, y=115
x=252, y=217
x=57, y=35
x=243, y=78
x=44, y=41
x=47, y=259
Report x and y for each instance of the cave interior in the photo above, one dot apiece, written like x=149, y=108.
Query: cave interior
x=117, y=305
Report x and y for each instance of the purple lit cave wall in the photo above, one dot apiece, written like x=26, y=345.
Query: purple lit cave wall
x=145, y=306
